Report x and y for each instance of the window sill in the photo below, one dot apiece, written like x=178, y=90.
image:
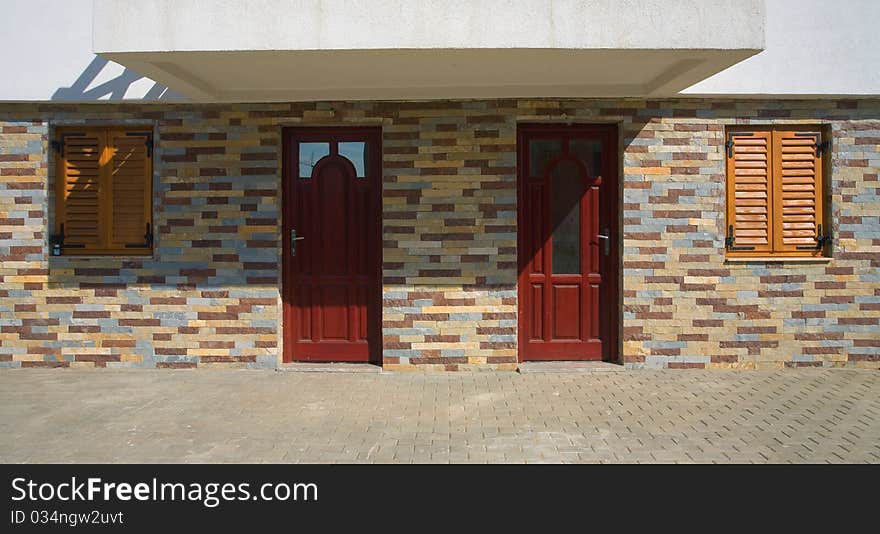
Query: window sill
x=121, y=257
x=777, y=259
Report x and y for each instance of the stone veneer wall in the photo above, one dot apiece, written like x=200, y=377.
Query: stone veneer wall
x=209, y=295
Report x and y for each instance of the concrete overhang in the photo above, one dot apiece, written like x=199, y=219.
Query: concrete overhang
x=283, y=50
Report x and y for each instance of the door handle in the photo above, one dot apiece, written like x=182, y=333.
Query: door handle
x=293, y=240
x=606, y=242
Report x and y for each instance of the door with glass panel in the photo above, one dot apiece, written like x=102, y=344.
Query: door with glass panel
x=331, y=244
x=568, y=209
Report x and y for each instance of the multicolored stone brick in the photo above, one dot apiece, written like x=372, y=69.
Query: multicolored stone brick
x=209, y=295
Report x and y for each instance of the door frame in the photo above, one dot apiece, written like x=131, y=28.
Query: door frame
x=609, y=323
x=289, y=135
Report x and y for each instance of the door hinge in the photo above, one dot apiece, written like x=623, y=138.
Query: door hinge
x=729, y=144
x=729, y=241
x=821, y=240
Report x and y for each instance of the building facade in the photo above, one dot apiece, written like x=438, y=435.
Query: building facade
x=355, y=183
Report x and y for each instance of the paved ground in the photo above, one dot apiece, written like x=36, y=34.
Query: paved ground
x=264, y=416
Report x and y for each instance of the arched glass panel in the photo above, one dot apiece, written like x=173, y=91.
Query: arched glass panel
x=309, y=155
x=356, y=153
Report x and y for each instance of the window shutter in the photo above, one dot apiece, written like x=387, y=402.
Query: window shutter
x=104, y=191
x=749, y=192
x=80, y=191
x=129, y=190
x=797, y=188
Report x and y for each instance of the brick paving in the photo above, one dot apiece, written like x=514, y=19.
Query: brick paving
x=265, y=416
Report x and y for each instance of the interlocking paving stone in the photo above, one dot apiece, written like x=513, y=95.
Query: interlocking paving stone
x=263, y=416
x=305, y=367
x=569, y=367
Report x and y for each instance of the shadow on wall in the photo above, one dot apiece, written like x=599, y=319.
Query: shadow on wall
x=113, y=89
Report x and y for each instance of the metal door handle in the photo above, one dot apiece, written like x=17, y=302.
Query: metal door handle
x=606, y=242
x=293, y=240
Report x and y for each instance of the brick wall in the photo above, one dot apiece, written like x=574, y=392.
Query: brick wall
x=209, y=295
x=450, y=235
x=685, y=306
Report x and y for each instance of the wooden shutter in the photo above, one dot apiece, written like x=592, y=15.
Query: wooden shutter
x=749, y=192
x=129, y=187
x=797, y=169
x=79, y=190
x=104, y=191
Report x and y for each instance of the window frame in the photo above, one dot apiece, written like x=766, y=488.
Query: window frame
x=778, y=251
x=106, y=248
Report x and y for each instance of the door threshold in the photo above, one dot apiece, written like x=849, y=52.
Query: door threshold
x=570, y=367
x=322, y=367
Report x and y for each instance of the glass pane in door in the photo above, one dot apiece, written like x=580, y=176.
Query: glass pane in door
x=356, y=153
x=589, y=151
x=309, y=154
x=541, y=152
x=566, y=190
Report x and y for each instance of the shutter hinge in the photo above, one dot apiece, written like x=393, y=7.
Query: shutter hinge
x=148, y=240
x=729, y=241
x=58, y=144
x=148, y=140
x=56, y=242
x=729, y=144
x=821, y=145
x=821, y=240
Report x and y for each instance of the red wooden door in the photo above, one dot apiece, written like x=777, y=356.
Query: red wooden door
x=331, y=250
x=567, y=285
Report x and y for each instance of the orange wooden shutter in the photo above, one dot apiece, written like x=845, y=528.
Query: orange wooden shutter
x=749, y=193
x=79, y=210
x=797, y=169
x=129, y=186
x=104, y=191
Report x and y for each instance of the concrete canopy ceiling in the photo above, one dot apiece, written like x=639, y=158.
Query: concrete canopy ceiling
x=283, y=50
x=425, y=74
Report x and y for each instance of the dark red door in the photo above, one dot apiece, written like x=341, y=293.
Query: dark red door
x=332, y=190
x=567, y=242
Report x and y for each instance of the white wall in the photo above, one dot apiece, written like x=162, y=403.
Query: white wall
x=813, y=47
x=47, y=55
x=275, y=25
x=282, y=50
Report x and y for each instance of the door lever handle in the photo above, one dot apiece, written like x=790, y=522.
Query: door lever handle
x=606, y=242
x=293, y=240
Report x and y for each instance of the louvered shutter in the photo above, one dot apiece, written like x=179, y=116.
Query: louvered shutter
x=750, y=192
x=80, y=191
x=129, y=186
x=104, y=192
x=797, y=188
